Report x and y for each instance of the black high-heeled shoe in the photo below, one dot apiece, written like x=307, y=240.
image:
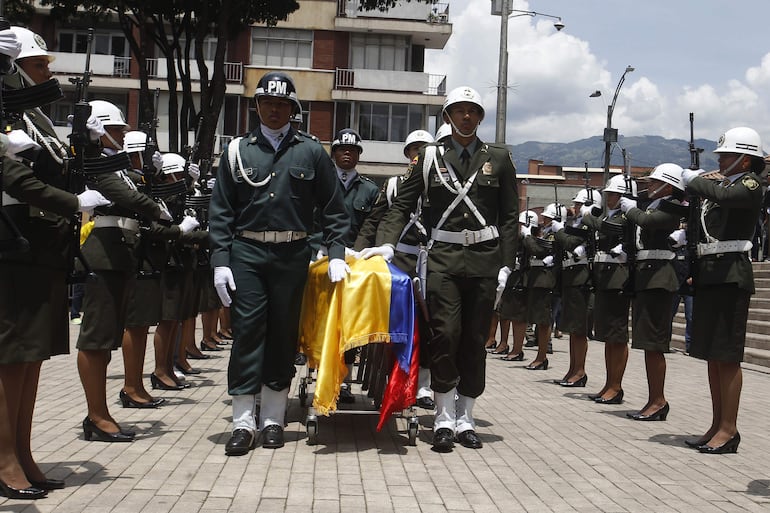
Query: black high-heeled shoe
x=29, y=493
x=660, y=414
x=729, y=447
x=91, y=430
x=47, y=484
x=157, y=384
x=500, y=350
x=127, y=402
x=694, y=444
x=193, y=356
x=540, y=366
x=616, y=399
x=515, y=358
x=187, y=372
x=579, y=383
x=205, y=347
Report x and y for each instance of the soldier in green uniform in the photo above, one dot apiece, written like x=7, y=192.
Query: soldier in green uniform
x=723, y=278
x=270, y=182
x=470, y=207
x=655, y=280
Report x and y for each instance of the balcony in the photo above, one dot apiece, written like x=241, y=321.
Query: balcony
x=156, y=68
x=390, y=81
x=102, y=65
x=427, y=24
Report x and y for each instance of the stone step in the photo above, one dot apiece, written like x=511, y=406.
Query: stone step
x=753, y=339
x=750, y=354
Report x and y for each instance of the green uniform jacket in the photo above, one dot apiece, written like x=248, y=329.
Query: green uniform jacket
x=576, y=275
x=540, y=277
x=656, y=225
x=493, y=192
x=359, y=199
x=302, y=178
x=607, y=276
x=730, y=214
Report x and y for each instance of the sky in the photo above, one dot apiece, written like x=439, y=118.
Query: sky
x=708, y=57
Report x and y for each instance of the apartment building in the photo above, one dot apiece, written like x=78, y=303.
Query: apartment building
x=356, y=69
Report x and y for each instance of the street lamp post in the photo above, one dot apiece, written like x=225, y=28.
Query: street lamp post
x=611, y=134
x=503, y=9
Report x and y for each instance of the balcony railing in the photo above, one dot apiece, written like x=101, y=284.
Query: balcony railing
x=396, y=81
x=156, y=68
x=432, y=13
x=122, y=67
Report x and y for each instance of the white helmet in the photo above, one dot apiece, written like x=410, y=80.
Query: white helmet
x=417, y=136
x=582, y=196
x=443, y=131
x=550, y=211
x=618, y=184
x=107, y=113
x=460, y=95
x=532, y=216
x=134, y=141
x=740, y=140
x=32, y=45
x=173, y=163
x=669, y=173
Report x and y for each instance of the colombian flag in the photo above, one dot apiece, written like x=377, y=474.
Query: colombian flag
x=373, y=304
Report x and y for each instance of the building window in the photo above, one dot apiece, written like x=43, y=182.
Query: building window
x=388, y=122
x=209, y=47
x=281, y=48
x=384, y=52
x=104, y=43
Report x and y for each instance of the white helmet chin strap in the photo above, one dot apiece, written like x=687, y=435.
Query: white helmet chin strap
x=458, y=130
x=25, y=76
x=732, y=166
x=112, y=141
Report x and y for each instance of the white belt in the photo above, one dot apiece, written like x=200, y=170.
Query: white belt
x=116, y=222
x=10, y=200
x=655, y=254
x=603, y=256
x=572, y=262
x=465, y=237
x=408, y=249
x=536, y=262
x=271, y=236
x=723, y=246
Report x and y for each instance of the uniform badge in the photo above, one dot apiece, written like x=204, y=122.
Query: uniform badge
x=410, y=168
x=486, y=169
x=750, y=183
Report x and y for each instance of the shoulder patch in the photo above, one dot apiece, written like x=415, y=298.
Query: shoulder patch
x=750, y=182
x=410, y=168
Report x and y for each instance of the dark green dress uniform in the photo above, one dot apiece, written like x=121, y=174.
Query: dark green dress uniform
x=541, y=280
x=610, y=274
x=724, y=280
x=513, y=302
x=462, y=274
x=260, y=232
x=576, y=295
x=358, y=198
x=655, y=280
x=109, y=250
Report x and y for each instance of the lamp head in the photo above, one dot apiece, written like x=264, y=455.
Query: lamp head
x=629, y=69
x=558, y=25
x=595, y=94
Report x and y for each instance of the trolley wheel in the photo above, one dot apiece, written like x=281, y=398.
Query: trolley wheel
x=311, y=427
x=412, y=429
x=303, y=394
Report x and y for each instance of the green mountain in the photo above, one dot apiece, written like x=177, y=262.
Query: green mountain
x=648, y=150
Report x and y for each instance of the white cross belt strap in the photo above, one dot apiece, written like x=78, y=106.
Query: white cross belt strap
x=608, y=258
x=408, y=249
x=465, y=237
x=9, y=200
x=572, y=262
x=655, y=254
x=288, y=236
x=723, y=246
x=125, y=223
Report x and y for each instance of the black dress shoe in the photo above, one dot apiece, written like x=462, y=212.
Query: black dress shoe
x=91, y=430
x=193, y=356
x=272, y=436
x=204, y=347
x=694, y=444
x=540, y=366
x=29, y=493
x=127, y=402
x=157, y=384
x=617, y=399
x=443, y=440
x=660, y=414
x=240, y=443
x=469, y=439
x=426, y=403
x=515, y=358
x=187, y=372
x=730, y=446
x=579, y=383
x=300, y=359
x=47, y=484
x=346, y=397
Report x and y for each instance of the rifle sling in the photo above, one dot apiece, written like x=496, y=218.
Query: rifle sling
x=101, y=165
x=26, y=98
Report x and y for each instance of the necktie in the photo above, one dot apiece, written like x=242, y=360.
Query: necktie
x=465, y=157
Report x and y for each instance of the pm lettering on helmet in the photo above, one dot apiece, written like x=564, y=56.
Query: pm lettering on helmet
x=276, y=87
x=348, y=138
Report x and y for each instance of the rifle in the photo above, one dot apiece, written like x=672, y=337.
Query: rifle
x=693, y=217
x=629, y=233
x=589, y=190
x=75, y=167
x=523, y=257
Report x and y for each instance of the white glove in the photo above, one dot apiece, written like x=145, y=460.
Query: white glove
x=586, y=210
x=338, y=270
x=321, y=253
x=350, y=252
x=165, y=214
x=157, y=161
x=188, y=224
x=194, y=171
x=19, y=141
x=678, y=238
x=618, y=253
x=525, y=231
x=89, y=200
x=95, y=128
x=548, y=261
x=579, y=251
x=557, y=225
x=210, y=183
x=223, y=278
x=689, y=174
x=9, y=45
x=502, y=277
x=385, y=251
x=627, y=204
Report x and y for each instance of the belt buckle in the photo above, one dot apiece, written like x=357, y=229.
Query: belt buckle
x=468, y=236
x=289, y=236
